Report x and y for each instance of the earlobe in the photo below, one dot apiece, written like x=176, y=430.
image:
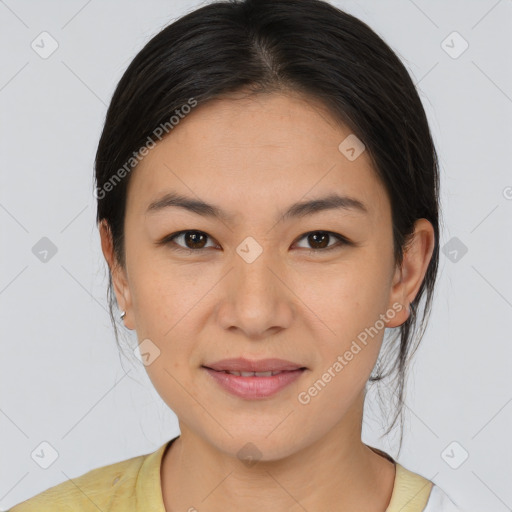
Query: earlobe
x=119, y=281
x=408, y=278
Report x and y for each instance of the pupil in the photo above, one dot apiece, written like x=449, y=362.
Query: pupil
x=313, y=239
x=193, y=238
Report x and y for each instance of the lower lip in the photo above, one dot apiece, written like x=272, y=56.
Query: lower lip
x=254, y=387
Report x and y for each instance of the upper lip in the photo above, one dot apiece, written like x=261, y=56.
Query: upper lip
x=241, y=364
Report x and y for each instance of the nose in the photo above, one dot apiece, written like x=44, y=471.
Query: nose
x=256, y=299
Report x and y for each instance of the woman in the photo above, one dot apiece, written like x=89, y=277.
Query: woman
x=268, y=205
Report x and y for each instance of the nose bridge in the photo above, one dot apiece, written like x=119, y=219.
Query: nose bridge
x=257, y=300
x=252, y=267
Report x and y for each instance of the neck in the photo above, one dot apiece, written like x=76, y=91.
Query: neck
x=335, y=469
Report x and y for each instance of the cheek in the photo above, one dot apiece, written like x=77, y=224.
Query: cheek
x=347, y=297
x=162, y=298
x=163, y=315
x=347, y=339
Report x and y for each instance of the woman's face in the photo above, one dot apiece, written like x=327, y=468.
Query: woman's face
x=256, y=283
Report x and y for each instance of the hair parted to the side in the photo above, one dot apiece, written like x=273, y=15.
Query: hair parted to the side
x=302, y=46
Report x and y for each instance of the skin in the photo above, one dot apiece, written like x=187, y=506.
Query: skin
x=254, y=157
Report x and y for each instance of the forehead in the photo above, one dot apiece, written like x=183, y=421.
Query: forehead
x=267, y=149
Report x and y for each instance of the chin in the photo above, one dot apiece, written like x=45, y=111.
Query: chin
x=251, y=446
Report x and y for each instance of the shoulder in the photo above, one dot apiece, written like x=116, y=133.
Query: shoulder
x=439, y=501
x=94, y=490
x=107, y=488
x=415, y=493
x=410, y=491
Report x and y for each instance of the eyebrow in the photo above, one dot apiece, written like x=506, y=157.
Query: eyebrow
x=297, y=210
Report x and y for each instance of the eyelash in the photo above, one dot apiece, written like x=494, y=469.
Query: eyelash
x=169, y=240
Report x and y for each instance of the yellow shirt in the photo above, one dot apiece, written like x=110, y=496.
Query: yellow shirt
x=134, y=485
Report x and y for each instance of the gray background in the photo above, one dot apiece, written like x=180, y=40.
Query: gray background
x=62, y=379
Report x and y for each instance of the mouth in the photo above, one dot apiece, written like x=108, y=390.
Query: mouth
x=254, y=374
x=261, y=368
x=254, y=379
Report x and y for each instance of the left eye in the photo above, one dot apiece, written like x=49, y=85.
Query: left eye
x=320, y=238
x=198, y=239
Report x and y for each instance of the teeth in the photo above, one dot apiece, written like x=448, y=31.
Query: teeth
x=253, y=374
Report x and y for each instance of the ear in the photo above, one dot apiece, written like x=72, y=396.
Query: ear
x=119, y=279
x=407, y=279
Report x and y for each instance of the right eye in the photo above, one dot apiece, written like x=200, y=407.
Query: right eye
x=194, y=240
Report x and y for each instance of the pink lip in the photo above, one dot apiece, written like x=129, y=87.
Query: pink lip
x=241, y=364
x=254, y=387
